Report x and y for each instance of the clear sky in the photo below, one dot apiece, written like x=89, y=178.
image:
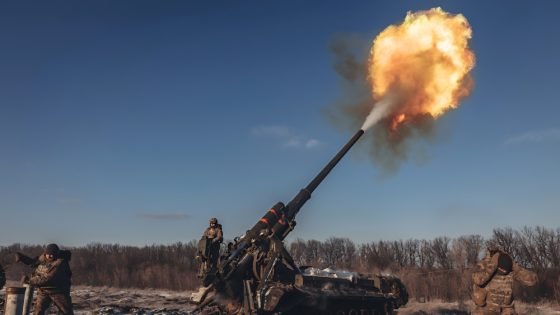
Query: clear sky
x=134, y=122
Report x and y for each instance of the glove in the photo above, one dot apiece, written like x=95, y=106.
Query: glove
x=25, y=280
x=19, y=257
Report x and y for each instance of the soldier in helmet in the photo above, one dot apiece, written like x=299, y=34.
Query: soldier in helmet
x=209, y=249
x=214, y=231
x=215, y=236
x=51, y=278
x=493, y=283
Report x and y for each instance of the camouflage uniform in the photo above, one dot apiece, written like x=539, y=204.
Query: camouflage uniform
x=493, y=291
x=52, y=280
x=214, y=235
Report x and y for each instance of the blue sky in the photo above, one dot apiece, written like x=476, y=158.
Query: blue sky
x=134, y=122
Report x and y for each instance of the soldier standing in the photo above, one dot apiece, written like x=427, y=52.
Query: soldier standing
x=209, y=250
x=493, y=283
x=51, y=278
x=214, y=236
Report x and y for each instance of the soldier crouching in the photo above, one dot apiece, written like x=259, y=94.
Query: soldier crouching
x=51, y=278
x=493, y=283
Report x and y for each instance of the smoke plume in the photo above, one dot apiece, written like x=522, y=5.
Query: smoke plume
x=414, y=73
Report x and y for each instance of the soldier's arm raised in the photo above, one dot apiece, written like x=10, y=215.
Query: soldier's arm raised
x=26, y=259
x=524, y=276
x=485, y=272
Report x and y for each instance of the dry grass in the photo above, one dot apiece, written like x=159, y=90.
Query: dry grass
x=90, y=299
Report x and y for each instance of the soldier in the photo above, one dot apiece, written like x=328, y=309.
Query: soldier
x=51, y=278
x=214, y=236
x=493, y=283
x=209, y=250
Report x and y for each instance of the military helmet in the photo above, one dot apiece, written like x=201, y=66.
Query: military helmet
x=52, y=249
x=505, y=263
x=213, y=221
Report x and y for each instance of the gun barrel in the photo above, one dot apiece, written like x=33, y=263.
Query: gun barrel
x=280, y=218
x=301, y=198
x=327, y=169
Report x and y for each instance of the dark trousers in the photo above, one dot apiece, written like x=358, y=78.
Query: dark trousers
x=213, y=257
x=62, y=301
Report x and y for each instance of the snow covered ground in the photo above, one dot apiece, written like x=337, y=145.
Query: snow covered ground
x=104, y=301
x=114, y=301
x=130, y=301
x=457, y=308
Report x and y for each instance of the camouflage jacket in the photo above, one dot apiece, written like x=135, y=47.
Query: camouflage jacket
x=52, y=276
x=214, y=233
x=496, y=289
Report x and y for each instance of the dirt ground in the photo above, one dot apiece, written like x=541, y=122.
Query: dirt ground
x=115, y=301
x=456, y=308
x=104, y=300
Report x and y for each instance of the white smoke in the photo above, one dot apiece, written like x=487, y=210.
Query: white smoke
x=378, y=112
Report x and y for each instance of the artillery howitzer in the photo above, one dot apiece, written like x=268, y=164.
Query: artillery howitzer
x=260, y=277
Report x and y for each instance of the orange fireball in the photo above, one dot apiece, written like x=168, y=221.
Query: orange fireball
x=423, y=63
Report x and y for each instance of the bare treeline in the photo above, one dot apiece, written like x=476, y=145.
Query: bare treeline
x=431, y=269
x=441, y=268
x=440, y=253
x=157, y=266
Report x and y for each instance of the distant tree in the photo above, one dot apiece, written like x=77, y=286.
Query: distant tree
x=298, y=250
x=440, y=248
x=313, y=255
x=505, y=240
x=431, y=269
x=411, y=248
x=465, y=250
x=426, y=255
x=399, y=254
